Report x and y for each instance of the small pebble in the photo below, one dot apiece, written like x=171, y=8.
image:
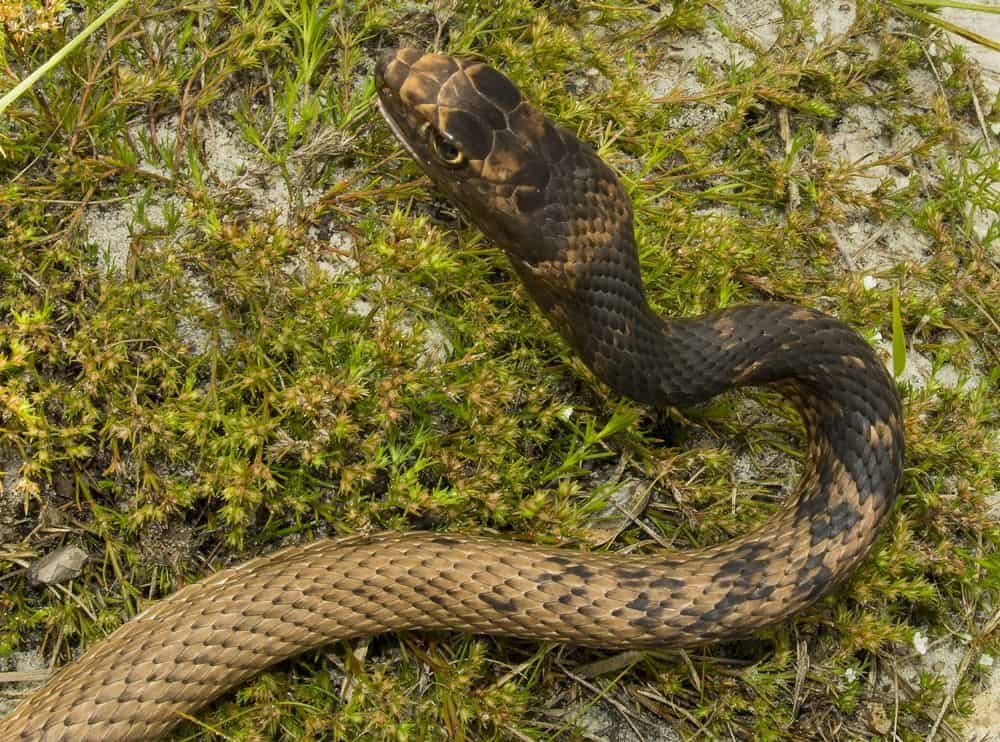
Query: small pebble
x=58, y=566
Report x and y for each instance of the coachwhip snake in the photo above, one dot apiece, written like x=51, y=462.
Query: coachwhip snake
x=565, y=222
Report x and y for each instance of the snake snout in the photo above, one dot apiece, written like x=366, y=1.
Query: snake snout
x=385, y=58
x=393, y=67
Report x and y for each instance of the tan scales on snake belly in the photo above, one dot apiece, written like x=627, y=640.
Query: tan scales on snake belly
x=564, y=220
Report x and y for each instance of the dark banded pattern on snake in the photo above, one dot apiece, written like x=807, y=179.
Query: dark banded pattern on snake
x=565, y=222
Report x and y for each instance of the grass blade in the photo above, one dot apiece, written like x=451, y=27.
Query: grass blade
x=898, y=338
x=18, y=90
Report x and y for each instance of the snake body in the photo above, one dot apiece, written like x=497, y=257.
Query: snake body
x=565, y=222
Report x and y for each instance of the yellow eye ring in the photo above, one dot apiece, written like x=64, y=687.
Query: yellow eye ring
x=444, y=148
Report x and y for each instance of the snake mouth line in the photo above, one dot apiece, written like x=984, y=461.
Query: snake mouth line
x=397, y=130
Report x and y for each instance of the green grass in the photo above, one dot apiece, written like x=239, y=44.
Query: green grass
x=261, y=364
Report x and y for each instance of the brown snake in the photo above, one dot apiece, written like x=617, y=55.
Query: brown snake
x=565, y=222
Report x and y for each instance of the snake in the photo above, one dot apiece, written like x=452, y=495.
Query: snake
x=565, y=222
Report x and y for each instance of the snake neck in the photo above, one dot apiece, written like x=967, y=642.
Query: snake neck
x=607, y=321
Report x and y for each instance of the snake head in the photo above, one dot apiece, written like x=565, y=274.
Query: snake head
x=556, y=209
x=491, y=152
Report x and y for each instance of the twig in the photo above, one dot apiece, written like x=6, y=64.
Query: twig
x=24, y=676
x=973, y=651
x=602, y=693
x=987, y=140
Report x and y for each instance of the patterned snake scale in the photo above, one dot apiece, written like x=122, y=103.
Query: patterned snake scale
x=565, y=222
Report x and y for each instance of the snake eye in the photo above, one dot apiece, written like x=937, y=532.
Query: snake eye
x=445, y=149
